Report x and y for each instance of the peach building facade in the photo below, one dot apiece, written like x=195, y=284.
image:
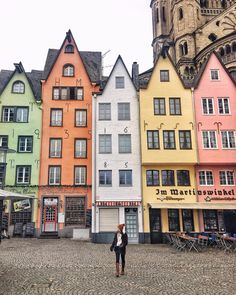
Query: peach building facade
x=70, y=78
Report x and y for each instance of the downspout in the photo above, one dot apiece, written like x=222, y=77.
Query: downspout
x=94, y=172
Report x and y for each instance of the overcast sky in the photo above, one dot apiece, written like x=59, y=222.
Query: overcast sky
x=29, y=27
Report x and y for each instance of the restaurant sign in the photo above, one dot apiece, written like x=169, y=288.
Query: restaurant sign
x=118, y=203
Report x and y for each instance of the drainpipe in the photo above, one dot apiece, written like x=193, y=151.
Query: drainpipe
x=94, y=172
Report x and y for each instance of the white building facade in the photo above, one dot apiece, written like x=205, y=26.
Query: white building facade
x=116, y=159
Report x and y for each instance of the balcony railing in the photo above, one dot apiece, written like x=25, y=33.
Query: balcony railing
x=215, y=11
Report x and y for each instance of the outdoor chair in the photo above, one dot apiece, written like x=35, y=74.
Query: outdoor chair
x=203, y=241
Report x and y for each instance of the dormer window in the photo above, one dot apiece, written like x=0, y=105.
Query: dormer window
x=181, y=14
x=18, y=87
x=69, y=48
x=68, y=70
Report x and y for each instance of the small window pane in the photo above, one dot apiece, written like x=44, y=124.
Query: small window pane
x=104, y=111
x=25, y=144
x=3, y=141
x=185, y=142
x=183, y=178
x=8, y=114
x=153, y=139
x=68, y=71
x=22, y=115
x=124, y=143
x=175, y=106
x=123, y=111
x=168, y=178
x=152, y=178
x=125, y=177
x=105, y=144
x=56, y=93
x=120, y=82
x=81, y=118
x=80, y=148
x=169, y=139
x=105, y=177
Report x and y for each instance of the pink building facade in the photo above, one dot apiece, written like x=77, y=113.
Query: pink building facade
x=215, y=110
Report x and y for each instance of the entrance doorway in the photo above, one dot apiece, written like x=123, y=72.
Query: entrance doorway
x=155, y=226
x=230, y=221
x=50, y=214
x=131, y=223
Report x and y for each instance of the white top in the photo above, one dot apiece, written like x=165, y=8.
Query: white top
x=119, y=240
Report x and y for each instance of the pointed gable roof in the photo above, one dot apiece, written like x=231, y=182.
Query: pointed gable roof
x=145, y=77
x=119, y=58
x=34, y=78
x=92, y=60
x=204, y=65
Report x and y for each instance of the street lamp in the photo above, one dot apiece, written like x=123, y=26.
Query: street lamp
x=3, y=165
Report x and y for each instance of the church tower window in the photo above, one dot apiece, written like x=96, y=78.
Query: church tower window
x=181, y=14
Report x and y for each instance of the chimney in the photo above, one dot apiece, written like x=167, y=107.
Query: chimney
x=135, y=74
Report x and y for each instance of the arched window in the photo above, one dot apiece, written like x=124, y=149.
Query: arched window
x=228, y=49
x=157, y=15
x=69, y=48
x=186, y=71
x=222, y=51
x=181, y=14
x=18, y=87
x=234, y=47
x=68, y=70
x=181, y=50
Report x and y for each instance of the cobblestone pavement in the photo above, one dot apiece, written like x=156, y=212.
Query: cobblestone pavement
x=71, y=267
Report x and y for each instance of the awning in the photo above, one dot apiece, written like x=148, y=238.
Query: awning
x=200, y=205
x=6, y=195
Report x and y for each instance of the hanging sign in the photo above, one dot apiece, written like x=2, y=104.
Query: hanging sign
x=21, y=205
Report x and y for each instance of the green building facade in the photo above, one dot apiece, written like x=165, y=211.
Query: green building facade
x=20, y=130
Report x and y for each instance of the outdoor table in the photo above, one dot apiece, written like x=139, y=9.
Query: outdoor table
x=191, y=242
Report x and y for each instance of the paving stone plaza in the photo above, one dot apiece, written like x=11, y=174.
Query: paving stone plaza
x=71, y=267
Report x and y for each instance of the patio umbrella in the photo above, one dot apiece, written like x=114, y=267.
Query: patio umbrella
x=6, y=195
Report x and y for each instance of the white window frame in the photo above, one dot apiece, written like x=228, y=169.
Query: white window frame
x=80, y=114
x=58, y=114
x=127, y=138
x=82, y=175
x=213, y=107
x=205, y=176
x=223, y=98
x=56, y=169
x=208, y=132
x=227, y=131
x=57, y=148
x=26, y=139
x=81, y=153
x=226, y=177
x=24, y=172
x=218, y=71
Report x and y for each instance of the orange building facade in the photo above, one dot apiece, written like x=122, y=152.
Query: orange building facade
x=70, y=79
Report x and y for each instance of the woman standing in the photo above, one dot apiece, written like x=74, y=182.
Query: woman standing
x=119, y=245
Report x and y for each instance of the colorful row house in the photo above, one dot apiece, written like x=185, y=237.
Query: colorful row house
x=116, y=158
x=20, y=131
x=70, y=77
x=169, y=153
x=215, y=107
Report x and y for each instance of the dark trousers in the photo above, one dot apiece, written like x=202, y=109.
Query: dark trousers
x=120, y=253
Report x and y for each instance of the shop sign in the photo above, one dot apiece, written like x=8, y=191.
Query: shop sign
x=21, y=205
x=118, y=203
x=50, y=201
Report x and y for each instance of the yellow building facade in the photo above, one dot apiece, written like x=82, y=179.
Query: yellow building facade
x=168, y=151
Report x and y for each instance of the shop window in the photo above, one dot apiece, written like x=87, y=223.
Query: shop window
x=159, y=106
x=75, y=211
x=187, y=215
x=21, y=211
x=173, y=219
x=210, y=220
